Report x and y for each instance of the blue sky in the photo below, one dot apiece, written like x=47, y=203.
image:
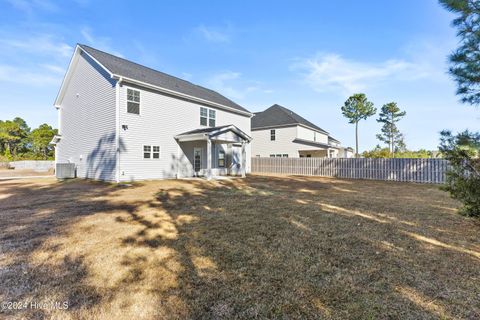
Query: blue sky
x=306, y=55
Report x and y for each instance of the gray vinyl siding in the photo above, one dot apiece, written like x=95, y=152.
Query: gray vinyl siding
x=161, y=118
x=262, y=145
x=87, y=121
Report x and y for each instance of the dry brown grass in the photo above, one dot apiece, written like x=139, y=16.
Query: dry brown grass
x=265, y=247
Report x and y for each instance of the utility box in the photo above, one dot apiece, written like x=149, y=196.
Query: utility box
x=65, y=171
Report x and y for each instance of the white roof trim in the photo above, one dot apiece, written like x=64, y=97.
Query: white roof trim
x=290, y=125
x=68, y=74
x=205, y=135
x=74, y=59
x=182, y=95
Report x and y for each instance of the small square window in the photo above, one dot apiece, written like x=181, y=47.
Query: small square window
x=147, y=152
x=156, y=152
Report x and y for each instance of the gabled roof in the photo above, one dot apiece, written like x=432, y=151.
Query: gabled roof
x=129, y=70
x=277, y=115
x=214, y=131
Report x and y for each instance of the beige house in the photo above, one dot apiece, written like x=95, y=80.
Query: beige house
x=280, y=132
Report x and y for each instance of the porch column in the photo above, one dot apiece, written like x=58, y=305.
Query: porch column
x=244, y=160
x=209, y=158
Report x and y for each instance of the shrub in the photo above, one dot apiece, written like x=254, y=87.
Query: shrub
x=463, y=178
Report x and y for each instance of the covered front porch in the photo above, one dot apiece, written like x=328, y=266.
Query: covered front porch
x=215, y=151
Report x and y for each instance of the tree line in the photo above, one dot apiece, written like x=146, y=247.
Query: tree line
x=19, y=142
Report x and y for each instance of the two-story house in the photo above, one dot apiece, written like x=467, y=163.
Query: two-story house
x=121, y=121
x=280, y=132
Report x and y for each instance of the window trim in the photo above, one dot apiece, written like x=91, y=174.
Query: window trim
x=158, y=153
x=151, y=152
x=133, y=101
x=218, y=158
x=211, y=115
x=145, y=151
x=273, y=134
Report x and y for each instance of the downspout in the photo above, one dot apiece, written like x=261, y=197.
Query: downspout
x=117, y=129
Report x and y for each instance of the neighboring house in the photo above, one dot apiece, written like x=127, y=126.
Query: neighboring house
x=121, y=121
x=346, y=152
x=280, y=132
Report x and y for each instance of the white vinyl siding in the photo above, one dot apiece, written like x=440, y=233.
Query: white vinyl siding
x=311, y=135
x=162, y=117
x=87, y=121
x=263, y=145
x=283, y=144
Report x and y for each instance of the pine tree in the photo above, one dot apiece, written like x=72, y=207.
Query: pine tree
x=465, y=60
x=390, y=114
x=357, y=108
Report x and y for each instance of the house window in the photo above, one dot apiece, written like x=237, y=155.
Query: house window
x=147, y=152
x=279, y=155
x=314, y=136
x=203, y=116
x=302, y=156
x=221, y=159
x=272, y=135
x=207, y=117
x=151, y=152
x=285, y=155
x=258, y=156
x=309, y=155
x=156, y=152
x=272, y=156
x=211, y=117
x=133, y=101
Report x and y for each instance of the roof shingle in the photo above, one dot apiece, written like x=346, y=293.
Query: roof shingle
x=132, y=70
x=277, y=115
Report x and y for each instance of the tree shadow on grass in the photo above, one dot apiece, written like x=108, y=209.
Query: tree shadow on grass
x=251, y=249
x=265, y=247
x=32, y=212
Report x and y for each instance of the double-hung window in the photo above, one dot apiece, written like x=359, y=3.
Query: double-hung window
x=272, y=135
x=151, y=152
x=133, y=101
x=203, y=116
x=207, y=117
x=221, y=159
x=211, y=117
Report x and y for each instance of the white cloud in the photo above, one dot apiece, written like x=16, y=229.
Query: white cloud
x=215, y=35
x=232, y=85
x=35, y=60
x=101, y=43
x=40, y=44
x=26, y=76
x=332, y=72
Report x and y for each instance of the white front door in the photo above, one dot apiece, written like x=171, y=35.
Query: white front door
x=197, y=160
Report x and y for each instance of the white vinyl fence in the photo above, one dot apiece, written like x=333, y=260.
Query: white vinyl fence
x=36, y=165
x=408, y=170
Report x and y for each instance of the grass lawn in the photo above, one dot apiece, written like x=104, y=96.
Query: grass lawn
x=265, y=247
